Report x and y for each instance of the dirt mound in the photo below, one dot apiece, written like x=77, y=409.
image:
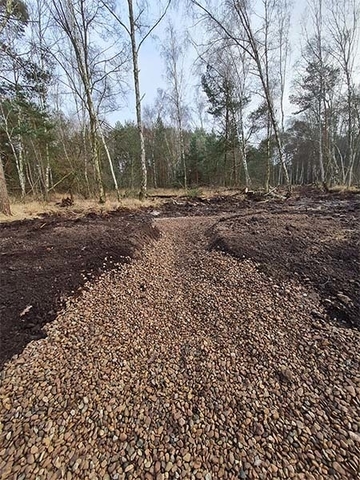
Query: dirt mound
x=199, y=206
x=306, y=197
x=316, y=241
x=44, y=260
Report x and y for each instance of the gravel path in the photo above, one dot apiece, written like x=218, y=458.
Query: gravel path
x=184, y=364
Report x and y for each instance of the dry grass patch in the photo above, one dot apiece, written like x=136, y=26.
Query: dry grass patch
x=35, y=208
x=28, y=209
x=344, y=189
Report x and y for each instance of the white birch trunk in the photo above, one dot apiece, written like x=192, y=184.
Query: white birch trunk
x=140, y=126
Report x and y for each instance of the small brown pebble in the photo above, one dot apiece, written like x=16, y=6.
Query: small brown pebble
x=337, y=467
x=187, y=457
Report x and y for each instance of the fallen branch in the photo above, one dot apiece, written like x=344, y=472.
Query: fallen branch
x=60, y=181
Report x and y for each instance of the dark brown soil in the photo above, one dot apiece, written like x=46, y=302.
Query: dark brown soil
x=198, y=206
x=43, y=261
x=314, y=239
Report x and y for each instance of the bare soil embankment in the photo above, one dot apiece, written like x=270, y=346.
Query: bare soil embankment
x=316, y=241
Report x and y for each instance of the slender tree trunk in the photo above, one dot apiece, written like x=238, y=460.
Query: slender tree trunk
x=96, y=159
x=47, y=172
x=132, y=174
x=134, y=25
x=268, y=170
x=351, y=154
x=116, y=186
x=154, y=171
x=20, y=168
x=17, y=152
x=265, y=80
x=180, y=128
x=140, y=126
x=321, y=146
x=177, y=99
x=182, y=156
x=243, y=150
x=43, y=95
x=227, y=128
x=245, y=167
x=234, y=167
x=350, y=173
x=86, y=160
x=19, y=162
x=4, y=197
x=277, y=136
x=93, y=120
x=29, y=178
x=319, y=37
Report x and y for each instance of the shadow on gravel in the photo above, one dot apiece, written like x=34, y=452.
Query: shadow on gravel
x=316, y=240
x=42, y=261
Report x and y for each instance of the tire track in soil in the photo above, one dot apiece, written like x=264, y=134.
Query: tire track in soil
x=184, y=364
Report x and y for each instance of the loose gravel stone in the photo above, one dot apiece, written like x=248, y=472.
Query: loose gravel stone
x=184, y=364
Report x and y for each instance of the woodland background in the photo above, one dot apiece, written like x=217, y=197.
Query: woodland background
x=258, y=108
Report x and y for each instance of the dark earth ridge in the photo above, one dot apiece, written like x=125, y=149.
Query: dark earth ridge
x=317, y=244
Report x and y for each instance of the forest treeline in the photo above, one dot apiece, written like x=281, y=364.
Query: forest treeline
x=268, y=100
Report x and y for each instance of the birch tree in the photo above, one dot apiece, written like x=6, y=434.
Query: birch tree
x=4, y=197
x=241, y=68
x=82, y=24
x=232, y=68
x=283, y=27
x=173, y=54
x=137, y=35
x=13, y=19
x=316, y=91
x=343, y=27
x=13, y=134
x=315, y=46
x=237, y=23
x=40, y=52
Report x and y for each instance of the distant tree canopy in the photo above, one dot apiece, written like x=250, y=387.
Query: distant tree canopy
x=65, y=67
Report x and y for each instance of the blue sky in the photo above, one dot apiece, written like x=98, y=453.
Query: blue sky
x=152, y=70
x=152, y=66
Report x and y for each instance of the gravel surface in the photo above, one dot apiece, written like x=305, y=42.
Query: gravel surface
x=185, y=364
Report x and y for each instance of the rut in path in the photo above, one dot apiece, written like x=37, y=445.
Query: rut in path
x=184, y=364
